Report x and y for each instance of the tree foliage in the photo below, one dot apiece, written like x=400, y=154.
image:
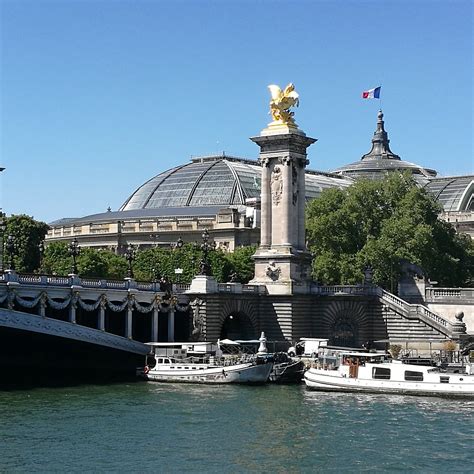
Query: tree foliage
x=27, y=234
x=383, y=223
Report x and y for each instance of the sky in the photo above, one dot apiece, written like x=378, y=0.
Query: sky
x=97, y=97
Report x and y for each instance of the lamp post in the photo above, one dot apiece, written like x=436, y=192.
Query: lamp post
x=74, y=250
x=205, y=266
x=11, y=249
x=3, y=227
x=130, y=256
x=41, y=255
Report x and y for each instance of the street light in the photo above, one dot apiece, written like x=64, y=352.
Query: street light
x=41, y=254
x=11, y=249
x=74, y=251
x=205, y=266
x=3, y=228
x=130, y=256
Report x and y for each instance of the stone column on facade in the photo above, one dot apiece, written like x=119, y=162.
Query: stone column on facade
x=170, y=325
x=154, y=325
x=72, y=310
x=101, y=322
x=265, y=205
x=300, y=166
x=129, y=322
x=286, y=215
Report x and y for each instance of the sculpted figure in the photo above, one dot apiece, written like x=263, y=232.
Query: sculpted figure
x=281, y=103
x=276, y=185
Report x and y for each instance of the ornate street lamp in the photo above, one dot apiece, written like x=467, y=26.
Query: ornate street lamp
x=205, y=266
x=41, y=255
x=3, y=228
x=11, y=249
x=130, y=256
x=74, y=251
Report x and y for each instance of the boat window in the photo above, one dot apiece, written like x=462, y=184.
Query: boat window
x=381, y=373
x=412, y=376
x=444, y=379
x=167, y=361
x=160, y=361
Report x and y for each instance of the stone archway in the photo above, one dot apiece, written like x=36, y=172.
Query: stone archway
x=238, y=325
x=346, y=323
x=344, y=331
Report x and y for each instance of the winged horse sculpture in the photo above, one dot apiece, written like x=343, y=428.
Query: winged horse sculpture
x=282, y=101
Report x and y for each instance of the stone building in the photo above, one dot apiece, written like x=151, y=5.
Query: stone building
x=222, y=194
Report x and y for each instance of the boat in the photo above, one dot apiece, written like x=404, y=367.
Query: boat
x=286, y=369
x=376, y=372
x=203, y=362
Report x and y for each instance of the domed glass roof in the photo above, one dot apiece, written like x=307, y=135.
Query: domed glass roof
x=215, y=180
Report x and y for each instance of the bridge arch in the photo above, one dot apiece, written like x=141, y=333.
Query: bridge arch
x=238, y=320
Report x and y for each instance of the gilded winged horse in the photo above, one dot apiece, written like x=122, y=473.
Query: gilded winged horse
x=282, y=101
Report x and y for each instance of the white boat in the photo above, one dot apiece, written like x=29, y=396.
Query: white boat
x=372, y=372
x=203, y=362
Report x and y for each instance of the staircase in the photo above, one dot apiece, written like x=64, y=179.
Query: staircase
x=415, y=321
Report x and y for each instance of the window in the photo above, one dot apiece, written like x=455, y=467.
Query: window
x=413, y=376
x=381, y=373
x=444, y=379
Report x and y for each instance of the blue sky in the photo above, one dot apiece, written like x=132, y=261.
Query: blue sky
x=99, y=96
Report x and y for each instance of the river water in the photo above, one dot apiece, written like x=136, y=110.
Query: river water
x=151, y=427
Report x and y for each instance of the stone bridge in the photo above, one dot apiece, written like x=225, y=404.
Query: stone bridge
x=119, y=316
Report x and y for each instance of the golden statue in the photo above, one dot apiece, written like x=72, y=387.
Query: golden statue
x=281, y=103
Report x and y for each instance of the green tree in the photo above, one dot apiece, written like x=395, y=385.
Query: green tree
x=241, y=263
x=27, y=234
x=383, y=223
x=56, y=259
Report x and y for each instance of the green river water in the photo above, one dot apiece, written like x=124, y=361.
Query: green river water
x=151, y=427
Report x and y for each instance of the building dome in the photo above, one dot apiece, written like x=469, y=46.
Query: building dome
x=381, y=159
x=215, y=181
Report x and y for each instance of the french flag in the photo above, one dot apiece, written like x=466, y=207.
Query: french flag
x=372, y=93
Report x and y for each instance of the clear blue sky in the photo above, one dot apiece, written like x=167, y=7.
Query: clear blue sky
x=99, y=96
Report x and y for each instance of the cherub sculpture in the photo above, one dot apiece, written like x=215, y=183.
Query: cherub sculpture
x=281, y=103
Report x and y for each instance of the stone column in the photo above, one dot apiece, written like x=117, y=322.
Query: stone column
x=286, y=202
x=300, y=166
x=72, y=311
x=265, y=205
x=154, y=325
x=170, y=325
x=101, y=322
x=129, y=322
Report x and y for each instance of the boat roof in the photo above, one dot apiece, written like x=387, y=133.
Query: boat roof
x=177, y=344
x=364, y=354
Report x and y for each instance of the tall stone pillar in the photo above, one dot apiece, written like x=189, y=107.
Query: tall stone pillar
x=170, y=326
x=154, y=325
x=265, y=205
x=282, y=262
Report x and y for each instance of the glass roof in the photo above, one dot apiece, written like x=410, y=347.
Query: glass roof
x=454, y=193
x=215, y=180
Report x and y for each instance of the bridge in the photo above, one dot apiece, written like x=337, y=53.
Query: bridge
x=94, y=326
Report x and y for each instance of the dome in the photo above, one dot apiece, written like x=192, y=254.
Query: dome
x=215, y=181
x=381, y=159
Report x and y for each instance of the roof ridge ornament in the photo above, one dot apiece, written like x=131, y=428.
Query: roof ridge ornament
x=380, y=143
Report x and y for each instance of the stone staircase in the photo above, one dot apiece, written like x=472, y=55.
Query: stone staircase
x=415, y=321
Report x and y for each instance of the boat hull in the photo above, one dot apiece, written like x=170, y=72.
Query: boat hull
x=318, y=379
x=241, y=373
